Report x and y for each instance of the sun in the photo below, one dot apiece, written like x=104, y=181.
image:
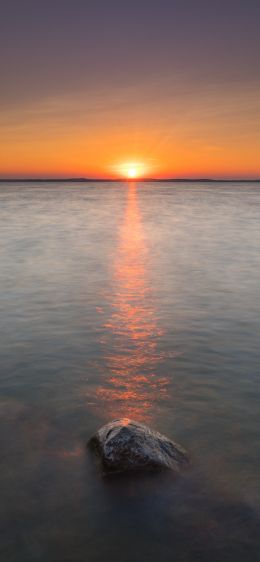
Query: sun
x=131, y=169
x=132, y=173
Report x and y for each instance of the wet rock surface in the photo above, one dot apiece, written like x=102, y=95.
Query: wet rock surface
x=124, y=445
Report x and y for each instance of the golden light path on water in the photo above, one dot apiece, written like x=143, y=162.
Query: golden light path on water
x=133, y=384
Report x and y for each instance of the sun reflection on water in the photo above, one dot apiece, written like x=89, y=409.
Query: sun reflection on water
x=133, y=385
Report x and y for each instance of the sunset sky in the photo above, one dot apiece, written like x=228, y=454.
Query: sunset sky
x=93, y=87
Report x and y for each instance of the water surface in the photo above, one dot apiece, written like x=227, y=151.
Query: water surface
x=138, y=300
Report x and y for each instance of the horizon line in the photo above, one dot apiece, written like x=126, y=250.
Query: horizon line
x=127, y=180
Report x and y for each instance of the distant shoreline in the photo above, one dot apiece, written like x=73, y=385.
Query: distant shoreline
x=106, y=180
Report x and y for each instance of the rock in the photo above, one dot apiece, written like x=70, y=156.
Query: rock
x=125, y=445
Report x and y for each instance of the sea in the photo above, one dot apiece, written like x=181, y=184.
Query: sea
x=142, y=301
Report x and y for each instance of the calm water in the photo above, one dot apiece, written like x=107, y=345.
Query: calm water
x=142, y=301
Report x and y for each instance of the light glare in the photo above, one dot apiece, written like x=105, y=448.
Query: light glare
x=131, y=170
x=132, y=173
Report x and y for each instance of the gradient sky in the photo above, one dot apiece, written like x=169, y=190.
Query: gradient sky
x=87, y=85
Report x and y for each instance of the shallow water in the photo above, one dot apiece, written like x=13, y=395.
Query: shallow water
x=138, y=300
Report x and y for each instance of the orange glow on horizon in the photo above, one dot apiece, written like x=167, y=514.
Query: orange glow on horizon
x=36, y=147
x=97, y=104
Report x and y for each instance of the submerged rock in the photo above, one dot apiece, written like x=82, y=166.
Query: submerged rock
x=125, y=445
